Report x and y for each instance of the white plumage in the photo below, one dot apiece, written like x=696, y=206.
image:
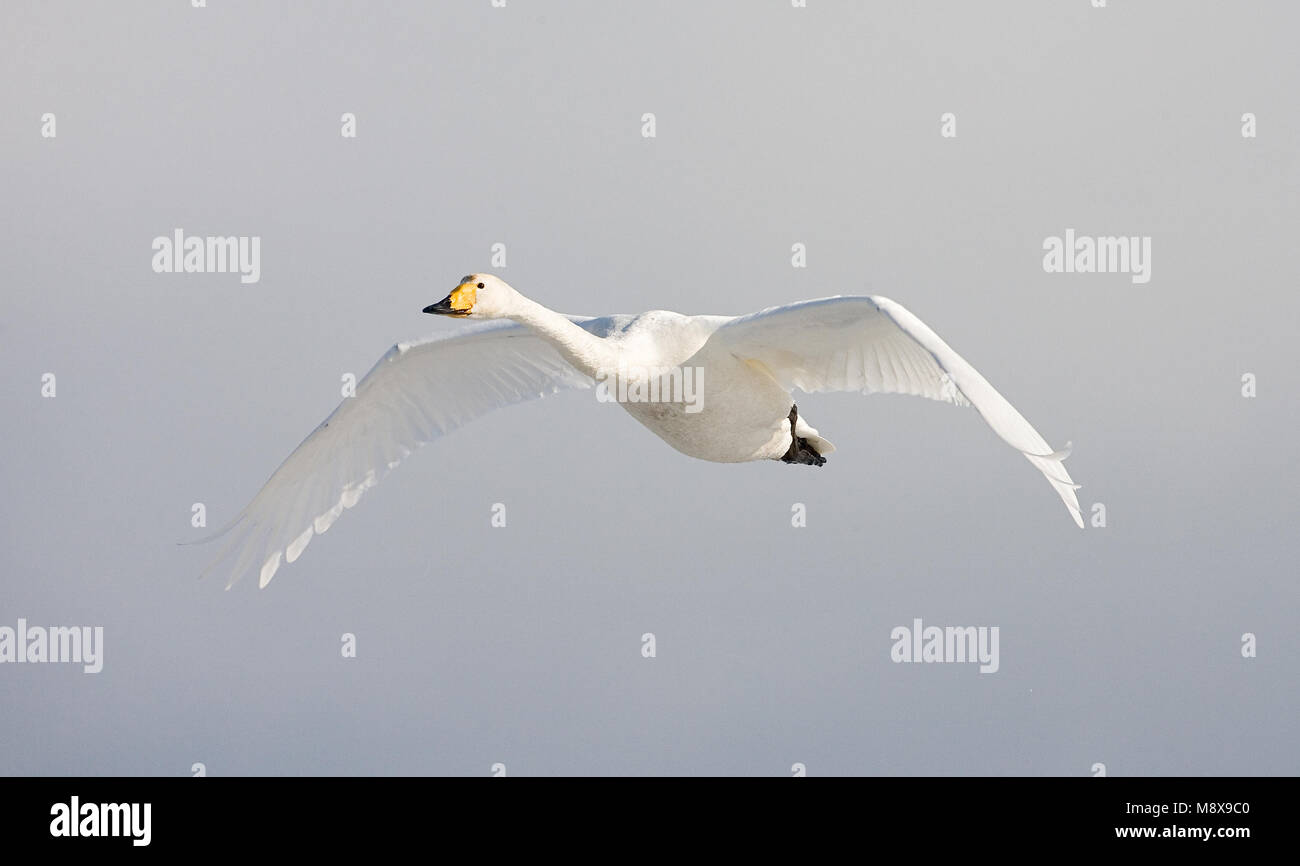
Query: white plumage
x=751, y=364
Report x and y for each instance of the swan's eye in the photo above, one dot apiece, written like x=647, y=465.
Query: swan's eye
x=480, y=285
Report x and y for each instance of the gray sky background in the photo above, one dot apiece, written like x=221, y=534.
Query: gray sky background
x=775, y=125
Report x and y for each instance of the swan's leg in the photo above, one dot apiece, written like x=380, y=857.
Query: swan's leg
x=800, y=451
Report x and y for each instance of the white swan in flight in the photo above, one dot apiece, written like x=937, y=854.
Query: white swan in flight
x=743, y=409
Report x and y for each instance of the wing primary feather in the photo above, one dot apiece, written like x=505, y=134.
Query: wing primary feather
x=900, y=354
x=415, y=393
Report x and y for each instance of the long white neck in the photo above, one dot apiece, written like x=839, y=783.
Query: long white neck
x=588, y=353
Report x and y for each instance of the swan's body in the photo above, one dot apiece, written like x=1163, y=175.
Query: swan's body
x=743, y=411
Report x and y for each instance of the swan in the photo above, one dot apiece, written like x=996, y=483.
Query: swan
x=743, y=370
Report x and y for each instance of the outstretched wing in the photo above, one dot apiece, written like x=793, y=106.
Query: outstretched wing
x=874, y=345
x=416, y=393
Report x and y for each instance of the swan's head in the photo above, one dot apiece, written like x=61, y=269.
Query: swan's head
x=482, y=296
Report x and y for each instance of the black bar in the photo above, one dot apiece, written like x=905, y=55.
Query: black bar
x=337, y=814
